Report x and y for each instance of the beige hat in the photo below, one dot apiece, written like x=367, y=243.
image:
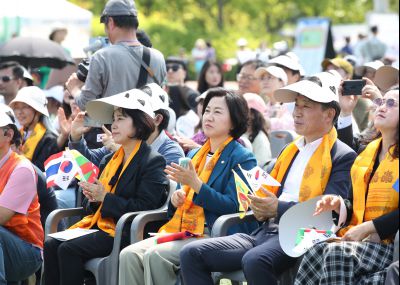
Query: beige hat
x=340, y=63
x=274, y=71
x=306, y=88
x=34, y=97
x=286, y=61
x=375, y=65
x=386, y=76
x=102, y=110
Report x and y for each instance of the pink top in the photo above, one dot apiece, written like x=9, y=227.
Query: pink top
x=280, y=117
x=20, y=189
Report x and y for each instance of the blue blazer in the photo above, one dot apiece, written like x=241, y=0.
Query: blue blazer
x=219, y=197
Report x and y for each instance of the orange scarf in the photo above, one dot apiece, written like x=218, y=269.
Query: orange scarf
x=28, y=227
x=190, y=217
x=317, y=173
x=108, y=224
x=29, y=146
x=381, y=198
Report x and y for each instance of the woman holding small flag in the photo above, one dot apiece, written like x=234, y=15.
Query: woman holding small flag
x=208, y=191
x=132, y=179
x=39, y=139
x=371, y=218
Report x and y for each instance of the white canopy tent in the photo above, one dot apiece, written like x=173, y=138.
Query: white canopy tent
x=38, y=18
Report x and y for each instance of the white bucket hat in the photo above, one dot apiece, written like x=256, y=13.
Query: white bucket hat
x=56, y=92
x=301, y=216
x=306, y=88
x=102, y=110
x=158, y=97
x=386, y=76
x=34, y=97
x=274, y=71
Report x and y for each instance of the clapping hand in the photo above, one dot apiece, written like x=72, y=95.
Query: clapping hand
x=185, y=176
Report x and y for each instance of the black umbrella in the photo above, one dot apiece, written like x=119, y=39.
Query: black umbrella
x=35, y=52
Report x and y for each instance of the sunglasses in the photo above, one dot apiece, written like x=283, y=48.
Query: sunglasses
x=6, y=78
x=174, y=67
x=390, y=103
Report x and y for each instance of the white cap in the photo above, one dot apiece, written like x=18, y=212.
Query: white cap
x=27, y=76
x=375, y=65
x=274, y=71
x=306, y=88
x=241, y=42
x=286, y=61
x=56, y=92
x=102, y=110
x=34, y=97
x=159, y=98
x=386, y=76
x=330, y=79
x=301, y=216
x=5, y=113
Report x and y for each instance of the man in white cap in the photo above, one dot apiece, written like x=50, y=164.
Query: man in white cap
x=21, y=232
x=124, y=65
x=13, y=77
x=314, y=164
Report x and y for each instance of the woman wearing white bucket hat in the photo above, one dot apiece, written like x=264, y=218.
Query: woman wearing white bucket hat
x=132, y=179
x=39, y=140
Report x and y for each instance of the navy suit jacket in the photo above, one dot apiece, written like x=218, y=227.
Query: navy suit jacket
x=218, y=196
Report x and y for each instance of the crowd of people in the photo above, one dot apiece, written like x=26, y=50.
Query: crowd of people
x=346, y=148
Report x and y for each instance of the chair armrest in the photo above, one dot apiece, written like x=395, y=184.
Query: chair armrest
x=223, y=223
x=141, y=220
x=57, y=215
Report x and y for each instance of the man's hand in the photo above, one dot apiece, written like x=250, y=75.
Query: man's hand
x=347, y=103
x=264, y=208
x=74, y=85
x=77, y=127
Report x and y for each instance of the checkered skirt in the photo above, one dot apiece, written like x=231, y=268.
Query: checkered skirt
x=345, y=263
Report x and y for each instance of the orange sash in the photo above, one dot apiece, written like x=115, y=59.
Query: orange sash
x=108, y=224
x=317, y=173
x=381, y=198
x=190, y=217
x=28, y=227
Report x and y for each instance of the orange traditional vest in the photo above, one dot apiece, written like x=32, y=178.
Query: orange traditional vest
x=28, y=227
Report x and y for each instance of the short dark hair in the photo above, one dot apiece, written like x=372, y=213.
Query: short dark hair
x=142, y=122
x=17, y=138
x=202, y=85
x=374, y=29
x=144, y=38
x=164, y=124
x=122, y=21
x=286, y=69
x=17, y=70
x=237, y=107
x=255, y=63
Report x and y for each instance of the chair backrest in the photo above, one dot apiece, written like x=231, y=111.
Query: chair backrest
x=278, y=140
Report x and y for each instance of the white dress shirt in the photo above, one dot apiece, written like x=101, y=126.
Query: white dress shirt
x=291, y=188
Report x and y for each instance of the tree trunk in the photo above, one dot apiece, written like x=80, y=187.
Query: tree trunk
x=220, y=14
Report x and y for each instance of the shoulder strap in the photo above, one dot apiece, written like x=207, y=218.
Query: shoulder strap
x=145, y=69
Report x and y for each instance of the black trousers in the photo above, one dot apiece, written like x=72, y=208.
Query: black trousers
x=64, y=261
x=259, y=255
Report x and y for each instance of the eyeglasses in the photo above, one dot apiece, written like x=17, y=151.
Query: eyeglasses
x=174, y=67
x=241, y=76
x=389, y=103
x=6, y=78
x=267, y=77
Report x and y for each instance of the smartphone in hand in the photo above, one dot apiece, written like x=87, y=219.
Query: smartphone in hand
x=184, y=162
x=353, y=87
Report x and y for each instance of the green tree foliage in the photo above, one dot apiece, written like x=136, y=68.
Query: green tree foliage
x=176, y=24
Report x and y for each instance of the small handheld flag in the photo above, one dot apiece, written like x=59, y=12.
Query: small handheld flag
x=257, y=177
x=87, y=171
x=242, y=191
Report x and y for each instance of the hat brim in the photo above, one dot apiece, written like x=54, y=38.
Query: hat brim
x=386, y=77
x=34, y=105
x=301, y=216
x=307, y=89
x=102, y=110
x=326, y=62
